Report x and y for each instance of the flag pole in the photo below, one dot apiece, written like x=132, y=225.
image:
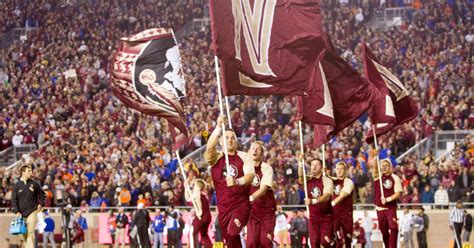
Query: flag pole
x=378, y=160
x=221, y=108
x=305, y=184
x=186, y=186
x=324, y=159
x=228, y=111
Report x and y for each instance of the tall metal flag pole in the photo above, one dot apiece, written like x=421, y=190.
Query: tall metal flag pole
x=186, y=186
x=304, y=169
x=228, y=111
x=378, y=160
x=221, y=108
x=324, y=159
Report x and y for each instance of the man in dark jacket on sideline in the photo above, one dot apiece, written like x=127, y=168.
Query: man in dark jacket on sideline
x=142, y=221
x=27, y=199
x=467, y=226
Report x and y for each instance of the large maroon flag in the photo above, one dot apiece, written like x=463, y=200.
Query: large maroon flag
x=266, y=47
x=396, y=106
x=340, y=96
x=147, y=76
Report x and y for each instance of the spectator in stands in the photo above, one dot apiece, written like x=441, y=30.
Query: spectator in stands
x=17, y=139
x=293, y=196
x=454, y=192
x=368, y=193
x=441, y=198
x=464, y=180
x=124, y=196
x=427, y=196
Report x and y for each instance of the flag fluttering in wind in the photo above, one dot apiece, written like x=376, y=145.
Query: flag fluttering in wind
x=396, y=107
x=146, y=75
x=340, y=96
x=266, y=47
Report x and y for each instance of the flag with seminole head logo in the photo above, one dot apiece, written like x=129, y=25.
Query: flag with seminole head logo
x=146, y=75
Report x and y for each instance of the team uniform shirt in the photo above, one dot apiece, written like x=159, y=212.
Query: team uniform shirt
x=344, y=207
x=202, y=225
x=230, y=197
x=390, y=184
x=343, y=212
x=387, y=214
x=233, y=202
x=262, y=218
x=317, y=187
x=321, y=219
x=263, y=177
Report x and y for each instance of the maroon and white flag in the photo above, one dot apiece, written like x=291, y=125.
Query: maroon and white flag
x=146, y=75
x=341, y=95
x=396, y=106
x=266, y=47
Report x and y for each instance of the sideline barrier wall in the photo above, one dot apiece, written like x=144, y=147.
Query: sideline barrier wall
x=439, y=234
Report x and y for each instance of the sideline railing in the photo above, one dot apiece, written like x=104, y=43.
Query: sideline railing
x=438, y=142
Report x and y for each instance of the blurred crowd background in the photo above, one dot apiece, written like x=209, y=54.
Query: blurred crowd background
x=94, y=152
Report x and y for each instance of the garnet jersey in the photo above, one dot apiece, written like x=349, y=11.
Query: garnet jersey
x=229, y=197
x=390, y=184
x=317, y=187
x=263, y=176
x=344, y=206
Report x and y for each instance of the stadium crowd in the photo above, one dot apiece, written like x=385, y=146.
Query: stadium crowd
x=94, y=152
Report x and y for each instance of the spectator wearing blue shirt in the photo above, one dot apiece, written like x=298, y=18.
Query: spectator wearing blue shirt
x=48, y=231
x=96, y=200
x=427, y=196
x=158, y=226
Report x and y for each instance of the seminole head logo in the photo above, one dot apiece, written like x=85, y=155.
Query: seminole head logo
x=387, y=184
x=232, y=171
x=256, y=180
x=157, y=70
x=315, y=192
x=337, y=189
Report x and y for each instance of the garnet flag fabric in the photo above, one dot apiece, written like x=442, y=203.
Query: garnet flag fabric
x=340, y=96
x=396, y=106
x=266, y=47
x=147, y=76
